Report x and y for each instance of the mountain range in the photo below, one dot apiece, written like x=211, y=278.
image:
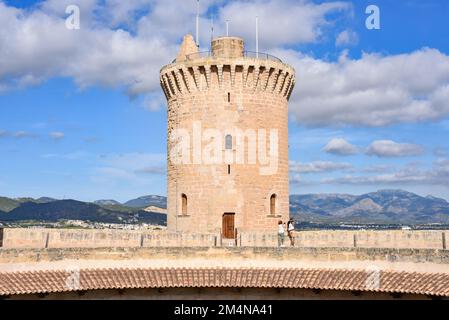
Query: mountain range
x=381, y=207
x=51, y=210
x=146, y=201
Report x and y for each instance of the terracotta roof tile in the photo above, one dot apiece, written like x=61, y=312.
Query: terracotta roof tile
x=23, y=282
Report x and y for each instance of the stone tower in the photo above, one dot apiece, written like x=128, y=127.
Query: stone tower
x=227, y=139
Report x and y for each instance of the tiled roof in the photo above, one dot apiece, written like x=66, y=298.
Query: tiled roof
x=47, y=281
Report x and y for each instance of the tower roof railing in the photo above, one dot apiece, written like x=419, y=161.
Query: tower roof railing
x=246, y=54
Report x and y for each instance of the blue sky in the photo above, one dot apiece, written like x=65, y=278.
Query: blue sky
x=82, y=115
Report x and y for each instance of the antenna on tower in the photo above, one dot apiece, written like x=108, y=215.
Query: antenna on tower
x=227, y=28
x=257, y=36
x=197, y=23
x=211, y=28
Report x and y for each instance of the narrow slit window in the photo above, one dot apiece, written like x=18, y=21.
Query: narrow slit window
x=273, y=204
x=184, y=204
x=229, y=97
x=229, y=169
x=228, y=142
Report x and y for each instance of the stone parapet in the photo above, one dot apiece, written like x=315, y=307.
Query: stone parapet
x=81, y=238
x=215, y=73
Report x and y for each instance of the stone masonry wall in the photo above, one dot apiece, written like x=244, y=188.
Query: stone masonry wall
x=413, y=256
x=78, y=238
x=227, y=94
x=417, y=239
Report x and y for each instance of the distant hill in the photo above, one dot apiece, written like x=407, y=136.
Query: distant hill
x=155, y=209
x=147, y=201
x=108, y=202
x=77, y=210
x=381, y=207
x=384, y=206
x=44, y=200
x=7, y=204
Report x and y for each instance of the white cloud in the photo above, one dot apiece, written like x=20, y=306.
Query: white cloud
x=35, y=44
x=317, y=166
x=281, y=22
x=297, y=179
x=134, y=161
x=374, y=90
x=378, y=168
x=388, y=148
x=346, y=38
x=75, y=155
x=440, y=152
x=153, y=170
x=90, y=139
x=340, y=146
x=22, y=134
x=154, y=101
x=57, y=135
x=118, y=12
x=172, y=19
x=380, y=148
x=410, y=175
x=130, y=167
x=314, y=136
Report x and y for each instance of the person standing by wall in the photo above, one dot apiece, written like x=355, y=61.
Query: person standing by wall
x=281, y=233
x=290, y=231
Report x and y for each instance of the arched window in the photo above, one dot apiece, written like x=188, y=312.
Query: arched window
x=184, y=204
x=228, y=141
x=273, y=204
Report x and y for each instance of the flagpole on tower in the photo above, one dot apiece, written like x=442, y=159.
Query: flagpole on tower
x=197, y=23
x=227, y=28
x=257, y=37
x=211, y=30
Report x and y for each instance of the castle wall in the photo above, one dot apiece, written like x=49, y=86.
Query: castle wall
x=424, y=239
x=73, y=238
x=416, y=259
x=79, y=238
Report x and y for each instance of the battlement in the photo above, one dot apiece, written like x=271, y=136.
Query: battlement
x=226, y=66
x=82, y=238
